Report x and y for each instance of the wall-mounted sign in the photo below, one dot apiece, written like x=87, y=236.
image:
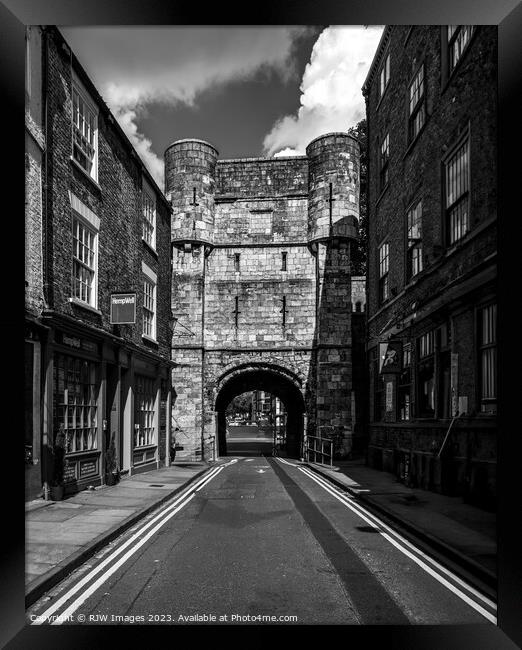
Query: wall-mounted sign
x=123, y=308
x=389, y=396
x=390, y=354
x=77, y=343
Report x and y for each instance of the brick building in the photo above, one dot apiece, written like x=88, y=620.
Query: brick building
x=262, y=288
x=96, y=225
x=431, y=96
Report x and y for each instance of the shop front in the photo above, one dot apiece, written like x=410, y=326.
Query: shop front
x=77, y=406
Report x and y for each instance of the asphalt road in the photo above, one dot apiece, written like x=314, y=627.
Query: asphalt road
x=261, y=538
x=248, y=440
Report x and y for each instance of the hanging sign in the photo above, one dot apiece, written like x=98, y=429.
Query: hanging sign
x=123, y=308
x=390, y=354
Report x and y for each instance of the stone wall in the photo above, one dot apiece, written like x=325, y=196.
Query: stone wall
x=256, y=291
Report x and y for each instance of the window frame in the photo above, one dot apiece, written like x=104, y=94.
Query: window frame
x=451, y=40
x=90, y=228
x=417, y=241
x=78, y=88
x=149, y=278
x=141, y=398
x=419, y=106
x=76, y=402
x=386, y=69
x=483, y=401
x=148, y=225
x=425, y=356
x=384, y=281
x=384, y=160
x=464, y=198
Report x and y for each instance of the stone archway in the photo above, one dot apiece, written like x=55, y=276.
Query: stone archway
x=269, y=378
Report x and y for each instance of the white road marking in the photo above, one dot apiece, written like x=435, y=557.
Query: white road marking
x=402, y=539
x=371, y=519
x=103, y=578
x=285, y=462
x=70, y=593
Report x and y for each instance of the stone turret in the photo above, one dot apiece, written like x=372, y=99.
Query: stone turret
x=333, y=187
x=190, y=167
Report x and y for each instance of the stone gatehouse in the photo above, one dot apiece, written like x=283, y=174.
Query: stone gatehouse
x=261, y=288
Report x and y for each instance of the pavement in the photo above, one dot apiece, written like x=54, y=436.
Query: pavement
x=60, y=535
x=462, y=533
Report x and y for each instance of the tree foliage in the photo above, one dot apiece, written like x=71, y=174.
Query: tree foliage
x=359, y=251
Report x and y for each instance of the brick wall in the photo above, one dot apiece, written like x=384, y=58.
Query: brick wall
x=116, y=199
x=456, y=279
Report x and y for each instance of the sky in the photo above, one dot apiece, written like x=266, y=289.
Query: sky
x=249, y=91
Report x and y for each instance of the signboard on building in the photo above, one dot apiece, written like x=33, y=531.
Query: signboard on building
x=390, y=354
x=454, y=374
x=123, y=308
x=76, y=343
x=389, y=396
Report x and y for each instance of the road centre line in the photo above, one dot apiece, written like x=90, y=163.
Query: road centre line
x=370, y=519
x=70, y=593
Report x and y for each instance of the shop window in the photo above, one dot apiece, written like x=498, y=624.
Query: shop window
x=426, y=375
x=457, y=193
x=458, y=39
x=414, y=252
x=488, y=358
x=417, y=104
x=85, y=261
x=384, y=76
x=404, y=384
x=144, y=415
x=384, y=161
x=384, y=291
x=149, y=308
x=149, y=216
x=75, y=401
x=85, y=131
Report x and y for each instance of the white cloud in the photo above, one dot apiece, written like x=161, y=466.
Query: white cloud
x=331, y=97
x=133, y=67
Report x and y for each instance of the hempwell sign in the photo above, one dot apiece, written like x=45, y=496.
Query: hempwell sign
x=123, y=308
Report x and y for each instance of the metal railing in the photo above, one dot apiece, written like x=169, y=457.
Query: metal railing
x=317, y=449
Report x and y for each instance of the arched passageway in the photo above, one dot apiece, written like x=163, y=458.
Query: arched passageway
x=271, y=381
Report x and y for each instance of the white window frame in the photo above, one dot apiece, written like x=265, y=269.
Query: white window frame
x=78, y=136
x=149, y=216
x=150, y=279
x=88, y=221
